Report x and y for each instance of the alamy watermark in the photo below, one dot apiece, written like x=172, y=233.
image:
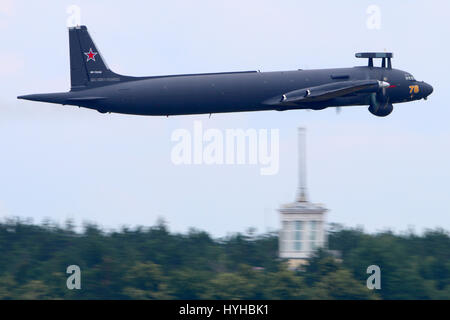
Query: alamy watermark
x=74, y=18
x=374, y=280
x=373, y=21
x=74, y=280
x=227, y=147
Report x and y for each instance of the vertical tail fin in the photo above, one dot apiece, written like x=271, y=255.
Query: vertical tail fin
x=87, y=67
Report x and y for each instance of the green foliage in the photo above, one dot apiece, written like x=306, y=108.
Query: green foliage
x=153, y=263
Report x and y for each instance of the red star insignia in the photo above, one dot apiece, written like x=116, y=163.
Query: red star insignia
x=90, y=55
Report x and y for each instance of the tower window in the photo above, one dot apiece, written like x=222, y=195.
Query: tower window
x=292, y=235
x=314, y=242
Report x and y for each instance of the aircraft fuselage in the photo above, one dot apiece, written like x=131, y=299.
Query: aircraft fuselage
x=95, y=86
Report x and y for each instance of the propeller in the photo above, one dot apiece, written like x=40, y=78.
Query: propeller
x=380, y=105
x=383, y=84
x=380, y=99
x=384, y=80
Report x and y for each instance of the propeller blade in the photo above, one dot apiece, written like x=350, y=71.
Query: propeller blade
x=383, y=85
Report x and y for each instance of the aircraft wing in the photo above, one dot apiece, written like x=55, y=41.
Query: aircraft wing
x=326, y=92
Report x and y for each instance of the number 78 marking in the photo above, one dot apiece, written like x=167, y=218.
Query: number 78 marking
x=414, y=89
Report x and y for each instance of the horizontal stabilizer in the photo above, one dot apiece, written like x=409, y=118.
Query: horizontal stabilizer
x=60, y=98
x=84, y=99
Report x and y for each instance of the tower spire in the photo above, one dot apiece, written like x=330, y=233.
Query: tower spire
x=302, y=194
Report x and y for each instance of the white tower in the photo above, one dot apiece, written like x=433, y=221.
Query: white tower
x=302, y=222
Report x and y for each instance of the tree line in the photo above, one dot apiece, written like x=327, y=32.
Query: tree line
x=154, y=263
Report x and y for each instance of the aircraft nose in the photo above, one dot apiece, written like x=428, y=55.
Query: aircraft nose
x=427, y=89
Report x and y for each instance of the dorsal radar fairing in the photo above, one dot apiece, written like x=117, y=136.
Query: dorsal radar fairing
x=377, y=55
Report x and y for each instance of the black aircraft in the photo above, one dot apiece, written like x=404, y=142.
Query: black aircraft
x=95, y=86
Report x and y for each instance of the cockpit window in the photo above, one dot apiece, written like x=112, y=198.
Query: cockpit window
x=409, y=77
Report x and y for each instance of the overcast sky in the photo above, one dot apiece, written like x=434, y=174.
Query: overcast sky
x=65, y=162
